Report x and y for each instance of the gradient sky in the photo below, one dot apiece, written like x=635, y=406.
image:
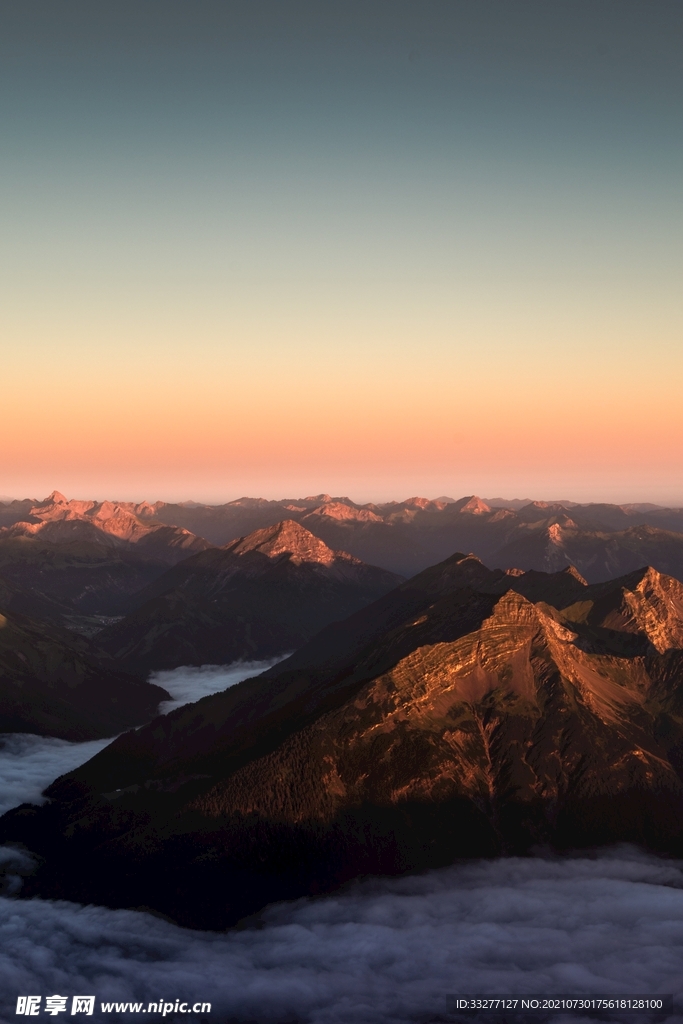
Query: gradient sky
x=375, y=249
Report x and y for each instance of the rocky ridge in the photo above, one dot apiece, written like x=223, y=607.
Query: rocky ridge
x=467, y=712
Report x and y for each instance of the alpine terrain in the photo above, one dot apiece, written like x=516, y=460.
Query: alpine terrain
x=467, y=712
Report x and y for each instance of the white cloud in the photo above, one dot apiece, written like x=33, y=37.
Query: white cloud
x=380, y=952
x=30, y=763
x=190, y=684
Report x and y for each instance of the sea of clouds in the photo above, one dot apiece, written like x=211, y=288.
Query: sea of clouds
x=378, y=953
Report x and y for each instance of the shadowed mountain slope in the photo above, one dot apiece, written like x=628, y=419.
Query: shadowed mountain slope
x=467, y=712
x=53, y=683
x=260, y=596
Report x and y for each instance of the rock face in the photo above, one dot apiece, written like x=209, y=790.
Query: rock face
x=53, y=683
x=467, y=712
x=261, y=596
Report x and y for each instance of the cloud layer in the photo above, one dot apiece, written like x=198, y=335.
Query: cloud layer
x=378, y=953
x=30, y=763
x=189, y=684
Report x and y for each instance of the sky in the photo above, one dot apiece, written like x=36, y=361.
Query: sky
x=375, y=248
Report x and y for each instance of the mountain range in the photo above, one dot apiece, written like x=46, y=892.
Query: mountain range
x=72, y=561
x=262, y=596
x=130, y=545
x=466, y=712
x=259, y=597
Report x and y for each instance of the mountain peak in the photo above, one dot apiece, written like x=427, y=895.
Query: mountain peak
x=56, y=498
x=646, y=602
x=555, y=533
x=517, y=614
x=475, y=506
x=471, y=504
x=285, y=538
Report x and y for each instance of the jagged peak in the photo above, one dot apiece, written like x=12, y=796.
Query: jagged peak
x=456, y=571
x=56, y=498
x=512, y=608
x=644, y=601
x=460, y=558
x=637, y=579
x=285, y=538
x=145, y=509
x=652, y=580
x=648, y=572
x=502, y=513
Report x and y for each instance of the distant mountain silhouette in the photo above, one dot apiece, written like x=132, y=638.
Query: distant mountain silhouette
x=403, y=537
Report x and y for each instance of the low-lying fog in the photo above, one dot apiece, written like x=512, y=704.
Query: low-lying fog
x=378, y=953
x=30, y=763
x=190, y=684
